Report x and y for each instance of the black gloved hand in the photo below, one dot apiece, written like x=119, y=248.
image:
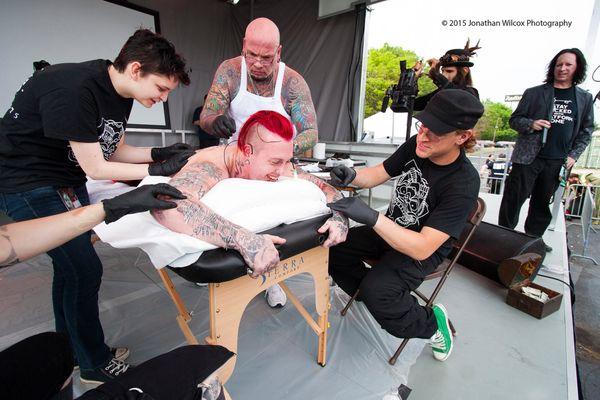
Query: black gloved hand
x=223, y=126
x=140, y=199
x=160, y=154
x=356, y=209
x=170, y=166
x=342, y=176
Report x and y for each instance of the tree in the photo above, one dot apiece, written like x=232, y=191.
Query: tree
x=383, y=70
x=493, y=125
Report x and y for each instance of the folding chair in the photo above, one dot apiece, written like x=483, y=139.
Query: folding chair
x=442, y=271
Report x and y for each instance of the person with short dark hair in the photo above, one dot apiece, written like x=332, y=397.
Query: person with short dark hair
x=436, y=189
x=68, y=121
x=451, y=71
x=555, y=123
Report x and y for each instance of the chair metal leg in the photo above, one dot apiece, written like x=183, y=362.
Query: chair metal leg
x=352, y=299
x=393, y=359
x=452, y=327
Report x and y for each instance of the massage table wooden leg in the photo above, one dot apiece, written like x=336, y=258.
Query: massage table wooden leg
x=183, y=318
x=228, y=301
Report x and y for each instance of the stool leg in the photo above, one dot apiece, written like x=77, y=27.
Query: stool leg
x=352, y=299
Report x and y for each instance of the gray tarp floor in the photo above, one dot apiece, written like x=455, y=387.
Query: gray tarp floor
x=277, y=349
x=499, y=352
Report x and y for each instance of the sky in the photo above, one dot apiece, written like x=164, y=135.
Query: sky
x=511, y=59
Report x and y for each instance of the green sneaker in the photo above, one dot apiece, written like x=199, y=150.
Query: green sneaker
x=441, y=341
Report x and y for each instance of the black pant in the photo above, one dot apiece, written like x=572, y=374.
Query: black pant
x=173, y=375
x=538, y=180
x=385, y=288
x=36, y=368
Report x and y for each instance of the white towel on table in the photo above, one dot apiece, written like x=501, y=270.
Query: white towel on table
x=254, y=205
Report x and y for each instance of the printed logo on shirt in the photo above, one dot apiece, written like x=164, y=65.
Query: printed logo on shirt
x=562, y=112
x=112, y=132
x=409, y=203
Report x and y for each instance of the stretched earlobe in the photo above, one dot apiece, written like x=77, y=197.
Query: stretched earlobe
x=248, y=150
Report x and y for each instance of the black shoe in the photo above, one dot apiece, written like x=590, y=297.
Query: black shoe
x=548, y=248
x=110, y=371
x=120, y=353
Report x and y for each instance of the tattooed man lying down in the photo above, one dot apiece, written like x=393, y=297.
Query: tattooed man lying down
x=262, y=152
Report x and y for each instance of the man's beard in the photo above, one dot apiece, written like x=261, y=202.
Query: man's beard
x=262, y=78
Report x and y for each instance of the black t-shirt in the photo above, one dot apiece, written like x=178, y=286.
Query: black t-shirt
x=61, y=103
x=564, y=114
x=427, y=194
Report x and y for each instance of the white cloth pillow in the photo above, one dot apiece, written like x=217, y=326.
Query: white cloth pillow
x=254, y=205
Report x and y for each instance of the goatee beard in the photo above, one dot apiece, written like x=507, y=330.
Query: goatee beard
x=262, y=78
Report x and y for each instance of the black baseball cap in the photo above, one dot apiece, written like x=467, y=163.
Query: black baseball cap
x=449, y=110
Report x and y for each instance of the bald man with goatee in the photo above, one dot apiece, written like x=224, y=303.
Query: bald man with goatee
x=258, y=80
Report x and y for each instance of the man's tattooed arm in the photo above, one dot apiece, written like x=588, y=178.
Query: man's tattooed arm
x=223, y=90
x=298, y=103
x=194, y=218
x=337, y=225
x=8, y=255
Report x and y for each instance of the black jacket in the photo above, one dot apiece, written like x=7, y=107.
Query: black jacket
x=537, y=103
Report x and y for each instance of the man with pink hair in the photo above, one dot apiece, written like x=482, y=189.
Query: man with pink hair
x=263, y=152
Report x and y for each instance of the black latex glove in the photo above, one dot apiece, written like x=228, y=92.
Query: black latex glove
x=141, y=199
x=342, y=175
x=356, y=209
x=160, y=154
x=223, y=126
x=170, y=166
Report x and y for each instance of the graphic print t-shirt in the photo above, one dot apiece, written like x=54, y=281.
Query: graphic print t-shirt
x=61, y=103
x=426, y=194
x=564, y=115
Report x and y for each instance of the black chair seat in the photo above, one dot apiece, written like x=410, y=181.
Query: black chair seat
x=221, y=265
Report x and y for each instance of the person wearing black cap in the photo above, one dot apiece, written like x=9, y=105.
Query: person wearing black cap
x=437, y=187
x=555, y=122
x=451, y=71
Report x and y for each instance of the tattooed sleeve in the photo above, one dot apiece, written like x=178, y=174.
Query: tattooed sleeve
x=339, y=223
x=298, y=103
x=222, y=91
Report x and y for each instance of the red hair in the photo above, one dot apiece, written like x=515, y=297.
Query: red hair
x=271, y=120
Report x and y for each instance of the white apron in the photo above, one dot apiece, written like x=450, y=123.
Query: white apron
x=245, y=103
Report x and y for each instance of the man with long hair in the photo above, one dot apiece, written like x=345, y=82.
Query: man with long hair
x=555, y=123
x=450, y=71
x=437, y=187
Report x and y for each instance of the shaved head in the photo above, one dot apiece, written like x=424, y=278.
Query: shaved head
x=262, y=32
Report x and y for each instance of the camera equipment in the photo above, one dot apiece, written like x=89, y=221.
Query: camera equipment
x=402, y=94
